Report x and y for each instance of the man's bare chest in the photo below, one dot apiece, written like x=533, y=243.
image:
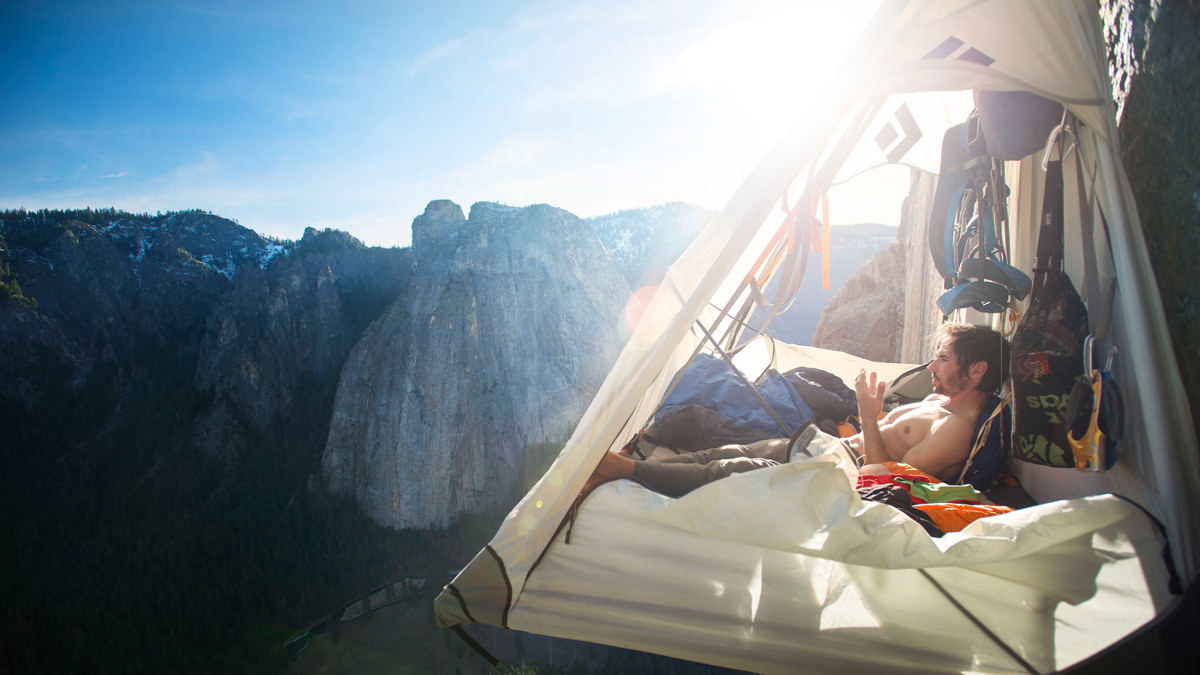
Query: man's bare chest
x=912, y=426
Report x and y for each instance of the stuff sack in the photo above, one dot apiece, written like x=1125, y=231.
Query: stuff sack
x=1047, y=346
x=1016, y=123
x=826, y=394
x=1046, y=361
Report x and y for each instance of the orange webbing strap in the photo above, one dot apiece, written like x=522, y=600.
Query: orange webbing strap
x=818, y=232
x=780, y=233
x=825, y=239
x=781, y=248
x=779, y=251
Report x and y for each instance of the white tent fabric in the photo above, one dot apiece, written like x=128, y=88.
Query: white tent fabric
x=806, y=573
x=783, y=568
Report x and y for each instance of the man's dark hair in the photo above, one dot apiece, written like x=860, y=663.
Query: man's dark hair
x=972, y=344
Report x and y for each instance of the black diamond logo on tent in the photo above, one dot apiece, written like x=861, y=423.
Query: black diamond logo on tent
x=899, y=135
x=953, y=47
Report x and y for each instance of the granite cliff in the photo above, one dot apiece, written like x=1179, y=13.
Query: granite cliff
x=885, y=310
x=1153, y=49
x=497, y=344
x=275, y=343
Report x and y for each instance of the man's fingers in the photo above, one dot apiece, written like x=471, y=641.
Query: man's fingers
x=869, y=384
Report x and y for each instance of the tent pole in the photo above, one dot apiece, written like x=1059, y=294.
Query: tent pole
x=979, y=624
x=496, y=664
x=753, y=389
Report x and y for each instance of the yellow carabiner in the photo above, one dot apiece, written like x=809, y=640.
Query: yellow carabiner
x=1087, y=449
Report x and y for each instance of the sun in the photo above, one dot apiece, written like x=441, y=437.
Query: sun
x=774, y=62
x=752, y=72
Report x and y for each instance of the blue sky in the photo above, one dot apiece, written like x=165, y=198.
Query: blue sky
x=355, y=115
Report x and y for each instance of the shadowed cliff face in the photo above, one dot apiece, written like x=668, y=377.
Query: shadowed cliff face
x=178, y=330
x=1154, y=49
x=275, y=343
x=498, y=343
x=102, y=312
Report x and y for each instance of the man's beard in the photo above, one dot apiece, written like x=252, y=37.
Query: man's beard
x=956, y=384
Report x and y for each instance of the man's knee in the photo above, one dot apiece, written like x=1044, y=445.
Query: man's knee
x=774, y=449
x=727, y=467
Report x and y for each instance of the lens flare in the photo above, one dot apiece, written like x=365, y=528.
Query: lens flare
x=636, y=306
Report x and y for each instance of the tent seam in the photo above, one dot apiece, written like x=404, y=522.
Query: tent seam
x=462, y=603
x=507, y=584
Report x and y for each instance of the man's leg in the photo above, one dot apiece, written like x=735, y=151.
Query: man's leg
x=676, y=477
x=773, y=448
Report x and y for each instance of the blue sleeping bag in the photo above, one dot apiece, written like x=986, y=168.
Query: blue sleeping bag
x=710, y=381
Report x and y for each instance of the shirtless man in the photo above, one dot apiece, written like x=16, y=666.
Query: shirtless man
x=933, y=435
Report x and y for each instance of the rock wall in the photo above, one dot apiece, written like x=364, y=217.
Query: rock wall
x=111, y=312
x=284, y=330
x=1154, y=59
x=498, y=343
x=876, y=318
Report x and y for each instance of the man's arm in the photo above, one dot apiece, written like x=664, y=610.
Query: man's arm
x=944, y=449
x=869, y=390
